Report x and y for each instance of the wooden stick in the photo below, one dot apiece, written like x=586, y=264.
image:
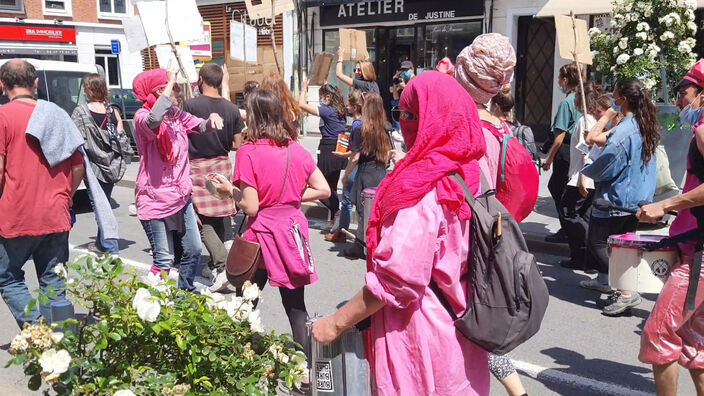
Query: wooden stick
x=273, y=40
x=173, y=49
x=579, y=70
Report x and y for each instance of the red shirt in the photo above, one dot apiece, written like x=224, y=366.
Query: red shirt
x=35, y=198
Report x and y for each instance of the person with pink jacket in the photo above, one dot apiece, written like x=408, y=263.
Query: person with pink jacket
x=163, y=191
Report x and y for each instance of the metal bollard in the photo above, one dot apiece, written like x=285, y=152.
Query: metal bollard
x=368, y=200
x=62, y=310
x=339, y=369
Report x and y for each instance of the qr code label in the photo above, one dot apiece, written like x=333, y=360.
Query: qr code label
x=323, y=377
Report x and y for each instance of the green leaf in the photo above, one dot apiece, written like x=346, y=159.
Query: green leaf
x=157, y=328
x=115, y=336
x=30, y=306
x=102, y=344
x=43, y=299
x=181, y=344
x=35, y=382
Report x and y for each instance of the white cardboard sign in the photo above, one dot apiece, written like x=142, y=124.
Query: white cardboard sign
x=243, y=41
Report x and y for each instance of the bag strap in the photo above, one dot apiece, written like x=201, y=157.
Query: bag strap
x=695, y=273
x=504, y=148
x=288, y=156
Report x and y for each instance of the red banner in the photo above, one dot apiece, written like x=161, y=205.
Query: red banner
x=42, y=33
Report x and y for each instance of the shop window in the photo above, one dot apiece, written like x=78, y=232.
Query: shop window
x=109, y=63
x=12, y=5
x=446, y=39
x=331, y=42
x=57, y=7
x=112, y=8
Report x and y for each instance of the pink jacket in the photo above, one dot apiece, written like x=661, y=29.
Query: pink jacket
x=417, y=349
x=163, y=189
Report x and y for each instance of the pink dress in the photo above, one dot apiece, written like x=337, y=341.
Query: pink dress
x=281, y=229
x=162, y=188
x=416, y=347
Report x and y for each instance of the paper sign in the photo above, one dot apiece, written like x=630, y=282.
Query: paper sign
x=566, y=39
x=185, y=21
x=167, y=60
x=263, y=8
x=354, y=43
x=321, y=68
x=243, y=42
x=134, y=33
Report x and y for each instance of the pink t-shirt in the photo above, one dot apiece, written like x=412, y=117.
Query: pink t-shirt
x=163, y=189
x=262, y=165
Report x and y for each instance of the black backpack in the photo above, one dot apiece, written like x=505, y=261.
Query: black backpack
x=508, y=294
x=525, y=135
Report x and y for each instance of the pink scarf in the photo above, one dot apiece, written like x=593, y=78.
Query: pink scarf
x=145, y=87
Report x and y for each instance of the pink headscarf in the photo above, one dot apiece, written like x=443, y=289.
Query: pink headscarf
x=145, y=87
x=485, y=66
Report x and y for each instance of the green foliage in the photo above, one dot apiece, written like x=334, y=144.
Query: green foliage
x=645, y=38
x=144, y=336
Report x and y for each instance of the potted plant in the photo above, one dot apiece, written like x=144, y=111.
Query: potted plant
x=652, y=41
x=142, y=335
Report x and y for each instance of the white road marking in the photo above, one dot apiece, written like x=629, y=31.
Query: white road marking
x=588, y=385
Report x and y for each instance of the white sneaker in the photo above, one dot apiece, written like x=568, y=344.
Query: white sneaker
x=594, y=284
x=220, y=283
x=132, y=208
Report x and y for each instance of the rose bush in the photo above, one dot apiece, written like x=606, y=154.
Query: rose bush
x=143, y=336
x=645, y=38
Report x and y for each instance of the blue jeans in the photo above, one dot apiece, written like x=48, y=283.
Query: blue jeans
x=46, y=251
x=106, y=245
x=346, y=204
x=164, y=250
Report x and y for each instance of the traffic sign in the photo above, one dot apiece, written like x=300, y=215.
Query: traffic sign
x=115, y=47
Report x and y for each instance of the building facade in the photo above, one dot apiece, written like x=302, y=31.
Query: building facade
x=72, y=31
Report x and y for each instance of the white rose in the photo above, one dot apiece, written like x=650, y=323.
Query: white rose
x=593, y=31
x=157, y=282
x=684, y=47
x=255, y=322
x=213, y=298
x=623, y=58
x=60, y=270
x=623, y=43
x=642, y=35
x=648, y=83
x=123, y=392
x=250, y=291
x=616, y=50
x=613, y=23
x=19, y=344
x=638, y=52
x=57, y=337
x=53, y=361
x=146, y=305
x=263, y=384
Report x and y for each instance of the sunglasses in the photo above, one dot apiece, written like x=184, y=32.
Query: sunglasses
x=408, y=116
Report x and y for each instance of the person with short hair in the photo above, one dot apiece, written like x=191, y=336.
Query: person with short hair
x=35, y=197
x=364, y=74
x=210, y=153
x=107, y=146
x=164, y=187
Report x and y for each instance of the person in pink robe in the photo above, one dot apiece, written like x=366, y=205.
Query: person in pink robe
x=418, y=232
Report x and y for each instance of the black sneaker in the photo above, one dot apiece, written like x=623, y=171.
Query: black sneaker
x=354, y=252
x=558, y=237
x=623, y=302
x=571, y=264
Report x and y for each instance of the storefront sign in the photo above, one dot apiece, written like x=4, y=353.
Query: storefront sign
x=202, y=49
x=43, y=33
x=37, y=51
x=398, y=10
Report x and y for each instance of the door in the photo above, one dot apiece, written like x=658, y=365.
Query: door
x=396, y=44
x=534, y=74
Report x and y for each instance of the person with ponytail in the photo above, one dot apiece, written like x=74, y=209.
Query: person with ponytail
x=624, y=174
x=333, y=122
x=419, y=229
x=163, y=191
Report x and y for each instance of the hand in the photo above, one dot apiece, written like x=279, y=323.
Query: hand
x=171, y=75
x=651, y=213
x=324, y=330
x=225, y=76
x=397, y=155
x=305, y=85
x=224, y=186
x=582, y=191
x=339, y=154
x=547, y=164
x=216, y=121
x=340, y=53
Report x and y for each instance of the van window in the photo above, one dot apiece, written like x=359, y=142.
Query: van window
x=64, y=88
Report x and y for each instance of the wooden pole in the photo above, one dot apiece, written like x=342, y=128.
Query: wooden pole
x=579, y=69
x=273, y=39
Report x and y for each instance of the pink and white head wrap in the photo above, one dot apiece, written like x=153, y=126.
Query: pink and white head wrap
x=485, y=66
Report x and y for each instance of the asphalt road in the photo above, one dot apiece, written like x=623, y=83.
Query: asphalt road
x=577, y=351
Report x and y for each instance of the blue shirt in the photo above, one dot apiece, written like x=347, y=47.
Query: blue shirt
x=619, y=173
x=331, y=124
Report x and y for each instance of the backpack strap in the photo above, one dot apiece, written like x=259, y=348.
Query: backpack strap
x=504, y=147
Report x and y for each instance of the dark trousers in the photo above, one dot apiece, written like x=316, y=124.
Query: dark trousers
x=332, y=203
x=557, y=183
x=212, y=233
x=575, y=211
x=600, y=229
x=295, y=306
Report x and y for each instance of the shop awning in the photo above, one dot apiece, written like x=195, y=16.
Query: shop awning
x=580, y=7
x=26, y=49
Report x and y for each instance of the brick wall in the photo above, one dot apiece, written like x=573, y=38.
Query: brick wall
x=83, y=11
